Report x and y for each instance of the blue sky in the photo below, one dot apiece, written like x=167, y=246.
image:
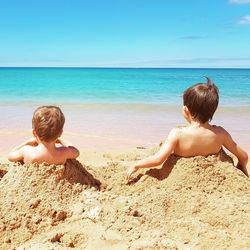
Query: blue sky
x=125, y=33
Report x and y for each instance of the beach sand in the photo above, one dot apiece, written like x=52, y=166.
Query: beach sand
x=189, y=203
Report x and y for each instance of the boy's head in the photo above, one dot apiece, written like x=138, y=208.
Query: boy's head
x=202, y=100
x=47, y=122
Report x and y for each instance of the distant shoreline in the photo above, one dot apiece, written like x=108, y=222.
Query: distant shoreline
x=107, y=128
x=113, y=67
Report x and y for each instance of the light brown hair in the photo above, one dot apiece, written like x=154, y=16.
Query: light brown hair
x=48, y=122
x=202, y=100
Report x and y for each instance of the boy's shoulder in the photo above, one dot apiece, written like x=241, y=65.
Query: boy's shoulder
x=176, y=132
x=27, y=149
x=182, y=131
x=29, y=153
x=63, y=149
x=178, y=129
x=219, y=129
x=69, y=152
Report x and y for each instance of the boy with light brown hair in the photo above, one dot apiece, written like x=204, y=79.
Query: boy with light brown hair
x=45, y=146
x=199, y=138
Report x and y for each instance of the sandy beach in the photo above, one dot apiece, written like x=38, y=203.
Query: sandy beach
x=121, y=72
x=192, y=203
x=188, y=203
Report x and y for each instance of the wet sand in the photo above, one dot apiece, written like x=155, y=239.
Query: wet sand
x=110, y=127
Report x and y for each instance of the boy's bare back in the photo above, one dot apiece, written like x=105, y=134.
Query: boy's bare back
x=40, y=154
x=198, y=140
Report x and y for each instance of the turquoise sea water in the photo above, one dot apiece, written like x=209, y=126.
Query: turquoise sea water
x=114, y=85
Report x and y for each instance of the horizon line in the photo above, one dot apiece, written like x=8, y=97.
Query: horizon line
x=118, y=67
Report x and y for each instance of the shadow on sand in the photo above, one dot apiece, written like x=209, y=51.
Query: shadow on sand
x=159, y=173
x=75, y=172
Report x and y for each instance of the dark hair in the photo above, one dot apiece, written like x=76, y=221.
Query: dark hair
x=202, y=100
x=48, y=122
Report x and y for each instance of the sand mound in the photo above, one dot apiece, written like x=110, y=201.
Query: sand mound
x=35, y=197
x=208, y=174
x=188, y=203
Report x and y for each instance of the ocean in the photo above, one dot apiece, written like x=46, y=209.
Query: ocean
x=116, y=107
x=117, y=86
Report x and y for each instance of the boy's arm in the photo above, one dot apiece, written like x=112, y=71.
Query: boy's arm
x=72, y=151
x=160, y=157
x=241, y=155
x=16, y=153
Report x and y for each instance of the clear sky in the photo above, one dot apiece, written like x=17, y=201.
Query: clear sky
x=125, y=33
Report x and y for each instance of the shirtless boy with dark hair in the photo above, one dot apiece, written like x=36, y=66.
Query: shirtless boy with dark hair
x=200, y=101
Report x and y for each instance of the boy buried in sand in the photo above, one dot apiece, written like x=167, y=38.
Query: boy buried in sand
x=199, y=138
x=47, y=123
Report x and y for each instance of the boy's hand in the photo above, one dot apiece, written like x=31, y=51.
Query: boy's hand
x=31, y=142
x=130, y=171
x=243, y=169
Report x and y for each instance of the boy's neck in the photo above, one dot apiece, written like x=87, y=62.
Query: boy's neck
x=48, y=145
x=194, y=123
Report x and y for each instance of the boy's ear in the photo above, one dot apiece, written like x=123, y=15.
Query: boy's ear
x=34, y=133
x=186, y=113
x=185, y=109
